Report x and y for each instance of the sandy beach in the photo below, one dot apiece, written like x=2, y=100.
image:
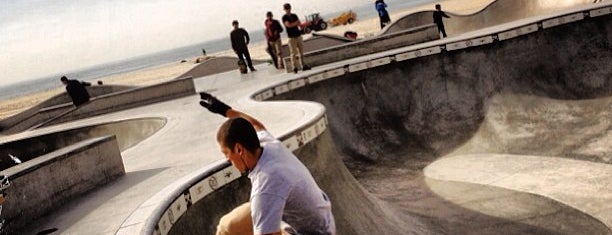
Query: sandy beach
x=364, y=27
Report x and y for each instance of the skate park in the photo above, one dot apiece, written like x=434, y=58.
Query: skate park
x=500, y=130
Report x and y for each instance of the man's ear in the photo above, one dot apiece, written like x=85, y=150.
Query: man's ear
x=238, y=148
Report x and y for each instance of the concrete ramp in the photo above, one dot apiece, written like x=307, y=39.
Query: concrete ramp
x=215, y=65
x=496, y=13
x=498, y=132
x=514, y=136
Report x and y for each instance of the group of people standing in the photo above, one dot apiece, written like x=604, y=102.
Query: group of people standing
x=240, y=39
x=273, y=29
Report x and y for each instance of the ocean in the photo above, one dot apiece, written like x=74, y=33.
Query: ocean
x=93, y=73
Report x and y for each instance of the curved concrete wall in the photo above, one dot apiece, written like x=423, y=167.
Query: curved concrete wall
x=326, y=55
x=425, y=107
x=128, y=133
x=112, y=102
x=497, y=12
x=43, y=184
x=61, y=99
x=425, y=100
x=315, y=43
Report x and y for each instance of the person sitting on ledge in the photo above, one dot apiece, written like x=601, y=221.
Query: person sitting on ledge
x=283, y=190
x=76, y=90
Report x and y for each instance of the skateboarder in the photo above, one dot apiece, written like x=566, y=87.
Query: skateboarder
x=240, y=39
x=437, y=17
x=282, y=187
x=76, y=90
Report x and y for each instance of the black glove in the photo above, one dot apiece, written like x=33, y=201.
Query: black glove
x=213, y=104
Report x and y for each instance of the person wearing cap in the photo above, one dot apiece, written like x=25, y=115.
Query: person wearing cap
x=76, y=90
x=296, y=43
x=240, y=39
x=273, y=30
x=283, y=190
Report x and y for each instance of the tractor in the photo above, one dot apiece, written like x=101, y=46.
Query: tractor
x=313, y=22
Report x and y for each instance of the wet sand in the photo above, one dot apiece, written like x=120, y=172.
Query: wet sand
x=364, y=27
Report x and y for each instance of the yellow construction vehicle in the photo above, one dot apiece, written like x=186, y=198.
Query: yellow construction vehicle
x=345, y=18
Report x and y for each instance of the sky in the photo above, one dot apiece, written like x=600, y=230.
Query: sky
x=39, y=38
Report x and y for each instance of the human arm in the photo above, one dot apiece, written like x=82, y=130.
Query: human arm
x=214, y=105
x=232, y=41
x=231, y=113
x=445, y=15
x=246, y=36
x=277, y=28
x=290, y=24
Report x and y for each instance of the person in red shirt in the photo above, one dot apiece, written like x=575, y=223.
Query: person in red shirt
x=273, y=31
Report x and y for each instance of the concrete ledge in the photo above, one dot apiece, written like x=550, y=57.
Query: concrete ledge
x=216, y=65
x=129, y=99
x=127, y=132
x=108, y=103
x=43, y=184
x=368, y=46
x=317, y=42
x=29, y=117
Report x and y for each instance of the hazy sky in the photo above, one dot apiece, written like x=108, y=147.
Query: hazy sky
x=44, y=37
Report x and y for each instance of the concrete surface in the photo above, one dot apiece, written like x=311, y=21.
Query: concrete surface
x=326, y=55
x=316, y=42
x=41, y=185
x=215, y=65
x=110, y=102
x=61, y=99
x=390, y=120
x=496, y=13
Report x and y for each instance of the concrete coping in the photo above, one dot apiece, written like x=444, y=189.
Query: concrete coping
x=162, y=84
x=401, y=41
x=156, y=215
x=477, y=38
x=54, y=107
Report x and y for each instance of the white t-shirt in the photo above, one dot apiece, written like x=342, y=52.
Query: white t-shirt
x=283, y=189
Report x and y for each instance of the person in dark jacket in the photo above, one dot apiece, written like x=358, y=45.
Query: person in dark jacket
x=76, y=90
x=381, y=7
x=240, y=39
x=437, y=17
